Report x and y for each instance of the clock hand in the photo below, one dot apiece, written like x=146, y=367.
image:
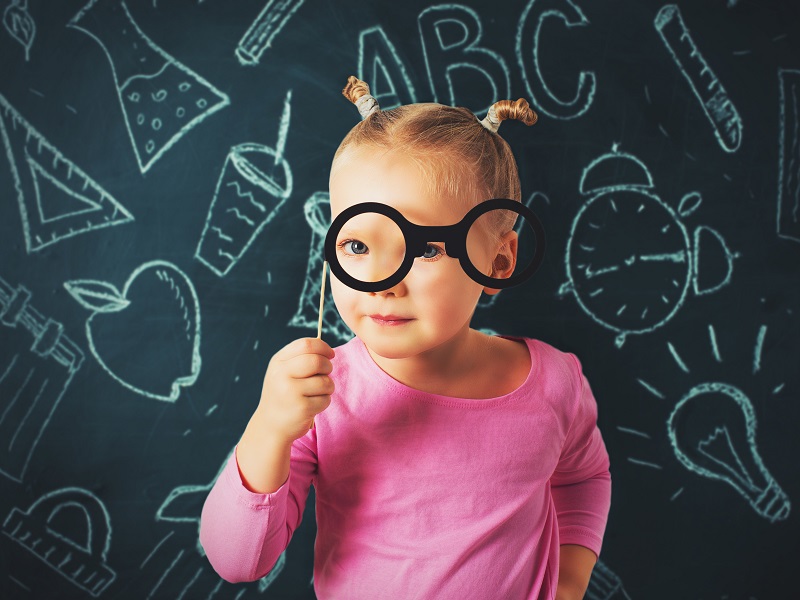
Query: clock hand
x=676, y=257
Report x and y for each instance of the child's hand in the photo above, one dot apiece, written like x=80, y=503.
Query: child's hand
x=296, y=387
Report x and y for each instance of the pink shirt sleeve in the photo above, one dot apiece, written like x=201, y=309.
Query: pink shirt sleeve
x=581, y=483
x=243, y=533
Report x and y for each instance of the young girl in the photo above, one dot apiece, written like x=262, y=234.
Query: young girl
x=447, y=463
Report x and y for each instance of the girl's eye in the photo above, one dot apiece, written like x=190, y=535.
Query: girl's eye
x=432, y=252
x=354, y=247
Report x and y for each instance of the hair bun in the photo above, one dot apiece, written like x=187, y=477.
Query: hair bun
x=501, y=110
x=357, y=92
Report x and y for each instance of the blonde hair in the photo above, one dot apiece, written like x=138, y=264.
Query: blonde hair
x=461, y=156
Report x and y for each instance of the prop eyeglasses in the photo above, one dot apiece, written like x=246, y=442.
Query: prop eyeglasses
x=371, y=247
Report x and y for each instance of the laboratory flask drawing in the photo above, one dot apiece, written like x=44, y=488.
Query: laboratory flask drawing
x=161, y=98
x=254, y=184
x=712, y=430
x=157, y=313
x=630, y=260
x=37, y=364
x=57, y=200
x=46, y=533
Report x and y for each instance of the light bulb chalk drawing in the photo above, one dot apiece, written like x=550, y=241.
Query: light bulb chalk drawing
x=20, y=25
x=157, y=313
x=716, y=104
x=712, y=430
x=184, y=504
x=630, y=260
x=83, y=563
x=317, y=213
x=57, y=200
x=437, y=45
x=161, y=99
x=253, y=185
x=269, y=23
x=33, y=376
x=788, y=220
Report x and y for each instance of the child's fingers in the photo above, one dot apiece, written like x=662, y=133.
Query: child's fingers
x=319, y=385
x=308, y=365
x=305, y=346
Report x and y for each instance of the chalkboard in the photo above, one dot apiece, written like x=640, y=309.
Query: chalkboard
x=163, y=187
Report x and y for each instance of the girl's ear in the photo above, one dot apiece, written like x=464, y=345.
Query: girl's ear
x=505, y=260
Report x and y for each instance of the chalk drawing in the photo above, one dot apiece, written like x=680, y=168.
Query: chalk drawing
x=317, y=213
x=534, y=17
x=33, y=376
x=605, y=584
x=81, y=562
x=258, y=37
x=184, y=504
x=156, y=314
x=20, y=25
x=716, y=104
x=380, y=64
x=789, y=155
x=712, y=430
x=630, y=260
x=57, y=200
x=161, y=98
x=254, y=184
x=443, y=54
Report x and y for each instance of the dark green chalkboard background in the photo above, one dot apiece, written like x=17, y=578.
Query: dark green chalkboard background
x=111, y=434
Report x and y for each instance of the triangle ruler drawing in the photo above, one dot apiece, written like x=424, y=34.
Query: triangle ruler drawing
x=57, y=200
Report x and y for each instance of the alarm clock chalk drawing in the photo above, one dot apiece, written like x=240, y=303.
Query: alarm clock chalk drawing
x=630, y=259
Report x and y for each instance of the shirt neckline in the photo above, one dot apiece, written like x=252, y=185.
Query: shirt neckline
x=382, y=378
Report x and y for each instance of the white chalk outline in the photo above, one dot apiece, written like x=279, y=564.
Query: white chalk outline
x=102, y=297
x=206, y=110
x=372, y=43
x=717, y=105
x=766, y=497
x=50, y=342
x=604, y=584
x=542, y=97
x=470, y=49
x=223, y=261
x=788, y=148
x=688, y=254
x=263, y=30
x=21, y=26
x=44, y=231
x=98, y=539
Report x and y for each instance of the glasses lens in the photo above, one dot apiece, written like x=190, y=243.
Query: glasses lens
x=491, y=239
x=370, y=247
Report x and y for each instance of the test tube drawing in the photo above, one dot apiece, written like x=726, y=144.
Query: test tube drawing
x=255, y=182
x=789, y=155
x=82, y=562
x=258, y=37
x=317, y=213
x=708, y=90
x=57, y=200
x=161, y=98
x=33, y=377
x=19, y=24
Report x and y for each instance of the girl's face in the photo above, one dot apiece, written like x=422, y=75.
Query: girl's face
x=436, y=300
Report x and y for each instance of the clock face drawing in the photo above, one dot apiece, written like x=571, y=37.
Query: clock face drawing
x=629, y=259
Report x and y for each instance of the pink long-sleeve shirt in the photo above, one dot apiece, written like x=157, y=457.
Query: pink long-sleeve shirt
x=426, y=496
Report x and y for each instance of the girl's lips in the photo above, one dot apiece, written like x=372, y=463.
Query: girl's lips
x=389, y=319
